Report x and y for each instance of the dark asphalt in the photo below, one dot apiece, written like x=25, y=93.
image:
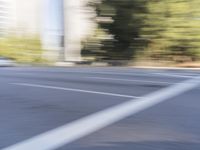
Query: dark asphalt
x=29, y=111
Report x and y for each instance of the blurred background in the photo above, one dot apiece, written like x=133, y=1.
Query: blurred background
x=111, y=32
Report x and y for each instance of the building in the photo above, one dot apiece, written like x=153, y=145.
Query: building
x=61, y=25
x=66, y=24
x=4, y=17
x=26, y=17
x=52, y=29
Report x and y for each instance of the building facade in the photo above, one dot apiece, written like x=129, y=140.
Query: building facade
x=66, y=24
x=26, y=16
x=4, y=17
x=61, y=25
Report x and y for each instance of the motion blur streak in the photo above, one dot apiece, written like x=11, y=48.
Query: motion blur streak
x=62, y=60
x=115, y=32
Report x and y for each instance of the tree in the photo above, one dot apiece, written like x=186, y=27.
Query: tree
x=160, y=29
x=122, y=20
x=173, y=29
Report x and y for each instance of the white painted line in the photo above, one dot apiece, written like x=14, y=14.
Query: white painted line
x=129, y=80
x=144, y=74
x=174, y=75
x=107, y=73
x=73, y=131
x=187, y=74
x=74, y=90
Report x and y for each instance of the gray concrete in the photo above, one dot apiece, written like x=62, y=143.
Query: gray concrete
x=29, y=111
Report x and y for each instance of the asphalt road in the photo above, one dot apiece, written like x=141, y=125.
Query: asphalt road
x=44, y=108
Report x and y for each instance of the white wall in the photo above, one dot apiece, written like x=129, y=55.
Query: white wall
x=26, y=16
x=52, y=28
x=77, y=27
x=4, y=17
x=32, y=17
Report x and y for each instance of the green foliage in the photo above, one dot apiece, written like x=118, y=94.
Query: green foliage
x=159, y=29
x=122, y=20
x=21, y=49
x=172, y=28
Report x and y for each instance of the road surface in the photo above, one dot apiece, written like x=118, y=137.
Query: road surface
x=46, y=108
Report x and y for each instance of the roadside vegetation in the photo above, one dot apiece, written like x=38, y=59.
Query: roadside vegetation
x=153, y=30
x=21, y=49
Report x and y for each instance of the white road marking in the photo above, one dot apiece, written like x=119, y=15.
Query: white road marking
x=174, y=75
x=75, y=90
x=75, y=130
x=187, y=73
x=90, y=72
x=144, y=74
x=129, y=80
x=117, y=73
x=105, y=72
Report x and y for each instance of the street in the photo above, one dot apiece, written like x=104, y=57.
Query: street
x=99, y=108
